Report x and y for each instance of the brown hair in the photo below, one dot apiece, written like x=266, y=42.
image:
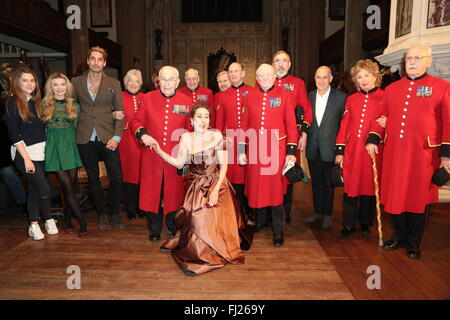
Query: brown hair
x=368, y=65
x=197, y=106
x=21, y=99
x=98, y=49
x=49, y=103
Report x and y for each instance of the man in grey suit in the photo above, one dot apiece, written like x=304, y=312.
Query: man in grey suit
x=327, y=108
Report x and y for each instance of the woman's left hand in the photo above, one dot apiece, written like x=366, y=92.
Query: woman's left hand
x=213, y=197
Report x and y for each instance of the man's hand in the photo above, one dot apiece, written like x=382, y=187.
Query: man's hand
x=372, y=148
x=242, y=159
x=382, y=121
x=148, y=141
x=290, y=158
x=112, y=144
x=302, y=141
x=118, y=115
x=446, y=163
x=339, y=160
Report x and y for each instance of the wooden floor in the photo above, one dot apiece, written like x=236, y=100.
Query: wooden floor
x=313, y=264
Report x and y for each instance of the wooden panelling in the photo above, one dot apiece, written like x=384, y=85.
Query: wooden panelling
x=36, y=22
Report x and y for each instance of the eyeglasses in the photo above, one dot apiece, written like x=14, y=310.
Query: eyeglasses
x=415, y=58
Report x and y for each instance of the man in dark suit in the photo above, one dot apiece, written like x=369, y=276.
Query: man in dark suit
x=327, y=108
x=98, y=134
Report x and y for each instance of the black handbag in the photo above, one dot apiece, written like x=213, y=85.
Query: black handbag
x=337, y=179
x=296, y=174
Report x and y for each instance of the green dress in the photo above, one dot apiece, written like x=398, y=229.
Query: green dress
x=61, y=151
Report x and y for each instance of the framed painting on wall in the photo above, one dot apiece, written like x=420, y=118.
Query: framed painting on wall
x=404, y=18
x=438, y=13
x=101, y=13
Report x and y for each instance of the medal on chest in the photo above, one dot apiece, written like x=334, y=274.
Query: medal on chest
x=275, y=102
x=180, y=109
x=424, y=91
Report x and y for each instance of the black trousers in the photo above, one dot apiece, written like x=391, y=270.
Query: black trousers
x=287, y=202
x=360, y=208
x=38, y=190
x=408, y=227
x=277, y=214
x=155, y=220
x=91, y=153
x=131, y=196
x=239, y=188
x=323, y=190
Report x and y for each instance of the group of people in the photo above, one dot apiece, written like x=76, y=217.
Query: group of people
x=211, y=165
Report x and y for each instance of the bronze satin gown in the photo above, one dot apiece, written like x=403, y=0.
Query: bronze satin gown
x=209, y=237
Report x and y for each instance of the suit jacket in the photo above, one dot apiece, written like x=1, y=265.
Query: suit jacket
x=323, y=138
x=98, y=114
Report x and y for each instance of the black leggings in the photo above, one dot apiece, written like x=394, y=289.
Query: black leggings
x=38, y=190
x=68, y=180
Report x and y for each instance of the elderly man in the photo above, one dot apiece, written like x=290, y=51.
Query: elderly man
x=163, y=116
x=328, y=109
x=98, y=134
x=282, y=63
x=223, y=82
x=198, y=93
x=417, y=142
x=272, y=133
x=229, y=122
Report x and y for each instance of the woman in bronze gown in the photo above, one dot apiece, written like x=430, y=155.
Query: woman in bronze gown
x=212, y=229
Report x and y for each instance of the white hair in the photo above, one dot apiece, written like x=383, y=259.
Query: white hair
x=133, y=72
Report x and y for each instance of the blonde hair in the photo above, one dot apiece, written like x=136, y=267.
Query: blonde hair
x=49, y=102
x=132, y=72
x=369, y=66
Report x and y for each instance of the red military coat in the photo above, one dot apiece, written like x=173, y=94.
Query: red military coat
x=202, y=95
x=361, y=110
x=417, y=129
x=229, y=117
x=298, y=89
x=165, y=119
x=269, y=121
x=129, y=148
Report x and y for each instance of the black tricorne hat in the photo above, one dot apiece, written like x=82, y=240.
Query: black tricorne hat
x=440, y=177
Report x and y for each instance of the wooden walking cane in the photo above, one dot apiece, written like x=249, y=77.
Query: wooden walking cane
x=377, y=197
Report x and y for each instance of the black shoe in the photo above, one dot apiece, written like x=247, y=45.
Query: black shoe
x=141, y=214
x=154, y=237
x=413, y=252
x=131, y=215
x=258, y=229
x=278, y=241
x=345, y=232
x=365, y=229
x=189, y=273
x=115, y=221
x=391, y=245
x=173, y=232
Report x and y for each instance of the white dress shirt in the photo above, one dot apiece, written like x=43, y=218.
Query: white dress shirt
x=321, y=104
